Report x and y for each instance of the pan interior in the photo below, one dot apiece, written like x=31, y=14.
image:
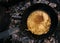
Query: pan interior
x=38, y=22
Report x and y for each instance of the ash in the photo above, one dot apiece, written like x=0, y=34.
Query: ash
x=24, y=39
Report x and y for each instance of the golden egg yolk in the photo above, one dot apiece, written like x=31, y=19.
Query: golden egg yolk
x=38, y=22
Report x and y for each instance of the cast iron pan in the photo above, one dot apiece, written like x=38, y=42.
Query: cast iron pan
x=4, y=19
x=47, y=9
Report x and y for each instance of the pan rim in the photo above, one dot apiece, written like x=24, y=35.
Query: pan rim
x=49, y=11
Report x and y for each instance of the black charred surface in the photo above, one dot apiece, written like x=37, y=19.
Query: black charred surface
x=4, y=19
x=7, y=3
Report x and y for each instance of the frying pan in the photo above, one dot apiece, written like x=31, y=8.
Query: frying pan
x=50, y=11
